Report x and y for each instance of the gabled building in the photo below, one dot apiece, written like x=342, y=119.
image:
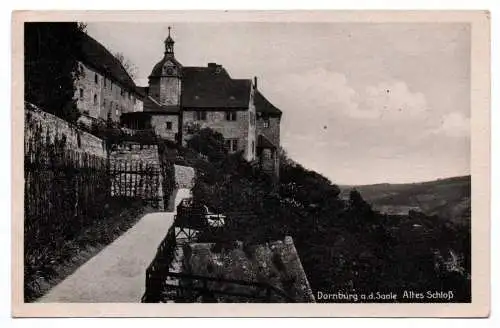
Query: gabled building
x=181, y=99
x=104, y=90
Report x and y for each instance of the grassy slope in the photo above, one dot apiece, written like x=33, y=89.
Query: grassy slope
x=82, y=248
x=448, y=198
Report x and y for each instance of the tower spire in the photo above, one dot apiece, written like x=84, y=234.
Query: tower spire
x=169, y=44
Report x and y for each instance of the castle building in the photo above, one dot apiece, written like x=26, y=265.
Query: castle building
x=181, y=99
x=104, y=90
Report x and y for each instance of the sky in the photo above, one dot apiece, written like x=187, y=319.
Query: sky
x=362, y=103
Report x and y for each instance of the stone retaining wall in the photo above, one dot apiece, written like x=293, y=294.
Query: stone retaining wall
x=184, y=176
x=50, y=126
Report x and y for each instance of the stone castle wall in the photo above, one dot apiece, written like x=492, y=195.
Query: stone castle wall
x=36, y=120
x=170, y=91
x=109, y=96
x=216, y=120
x=159, y=123
x=135, y=152
x=272, y=132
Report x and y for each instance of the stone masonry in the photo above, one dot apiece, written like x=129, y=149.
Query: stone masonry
x=184, y=177
x=272, y=132
x=135, y=152
x=216, y=120
x=52, y=125
x=97, y=96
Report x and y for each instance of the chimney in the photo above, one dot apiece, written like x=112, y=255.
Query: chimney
x=255, y=82
x=215, y=67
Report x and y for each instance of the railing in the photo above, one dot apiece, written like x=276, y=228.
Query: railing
x=191, y=287
x=261, y=291
x=155, y=273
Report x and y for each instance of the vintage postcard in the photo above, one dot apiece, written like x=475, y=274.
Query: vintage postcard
x=266, y=163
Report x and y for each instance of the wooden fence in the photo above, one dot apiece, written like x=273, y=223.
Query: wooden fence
x=65, y=190
x=136, y=179
x=62, y=189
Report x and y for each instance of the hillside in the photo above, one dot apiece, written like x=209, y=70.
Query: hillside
x=342, y=243
x=447, y=198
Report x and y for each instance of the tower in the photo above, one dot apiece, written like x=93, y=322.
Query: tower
x=166, y=78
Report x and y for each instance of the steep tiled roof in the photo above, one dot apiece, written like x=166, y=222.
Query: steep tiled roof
x=142, y=91
x=96, y=55
x=212, y=87
x=151, y=105
x=264, y=106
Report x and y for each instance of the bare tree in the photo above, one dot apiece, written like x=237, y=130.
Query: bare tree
x=129, y=66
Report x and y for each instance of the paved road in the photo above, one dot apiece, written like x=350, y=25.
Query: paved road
x=117, y=273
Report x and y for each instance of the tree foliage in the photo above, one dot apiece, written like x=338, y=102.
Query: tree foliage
x=209, y=143
x=343, y=244
x=51, y=66
x=129, y=66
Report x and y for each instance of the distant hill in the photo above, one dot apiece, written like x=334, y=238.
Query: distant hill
x=447, y=198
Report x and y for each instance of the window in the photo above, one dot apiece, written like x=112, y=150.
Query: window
x=230, y=116
x=253, y=148
x=81, y=93
x=169, y=125
x=231, y=145
x=200, y=116
x=104, y=103
x=95, y=99
x=96, y=78
x=105, y=82
x=266, y=123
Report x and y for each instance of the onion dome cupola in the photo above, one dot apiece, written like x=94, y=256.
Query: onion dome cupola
x=166, y=77
x=168, y=65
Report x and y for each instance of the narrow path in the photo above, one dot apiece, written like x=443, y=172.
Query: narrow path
x=117, y=273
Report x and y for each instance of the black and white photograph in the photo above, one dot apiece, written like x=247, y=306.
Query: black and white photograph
x=248, y=161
